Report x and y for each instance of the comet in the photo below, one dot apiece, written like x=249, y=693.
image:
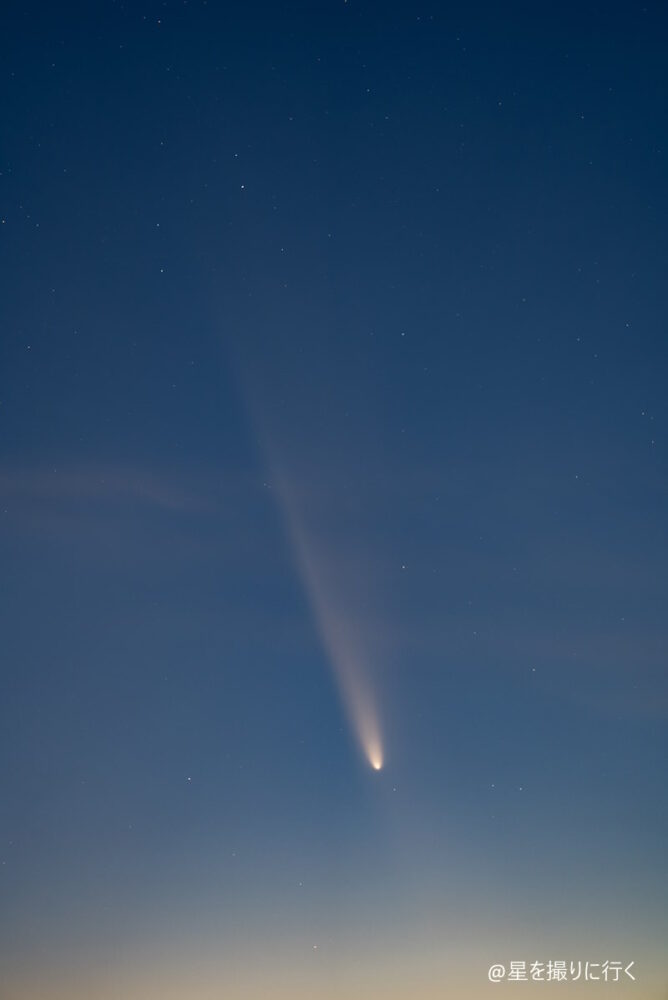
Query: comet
x=341, y=640
x=341, y=637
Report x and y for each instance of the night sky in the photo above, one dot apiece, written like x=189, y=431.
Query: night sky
x=333, y=498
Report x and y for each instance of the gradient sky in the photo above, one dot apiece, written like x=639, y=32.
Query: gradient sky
x=333, y=427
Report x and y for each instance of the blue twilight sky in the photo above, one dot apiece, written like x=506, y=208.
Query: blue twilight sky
x=333, y=428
